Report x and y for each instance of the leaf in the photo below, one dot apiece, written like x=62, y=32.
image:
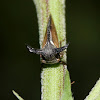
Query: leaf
x=17, y=95
x=95, y=92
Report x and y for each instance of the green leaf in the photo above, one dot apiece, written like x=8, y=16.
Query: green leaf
x=17, y=95
x=95, y=92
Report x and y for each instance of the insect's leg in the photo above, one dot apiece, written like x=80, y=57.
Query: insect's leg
x=72, y=82
x=42, y=61
x=62, y=62
x=42, y=65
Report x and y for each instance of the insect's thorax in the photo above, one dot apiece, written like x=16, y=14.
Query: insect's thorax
x=49, y=53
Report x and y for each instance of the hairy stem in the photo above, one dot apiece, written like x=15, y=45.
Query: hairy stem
x=53, y=76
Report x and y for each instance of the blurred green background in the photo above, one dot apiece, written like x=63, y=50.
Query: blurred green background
x=20, y=70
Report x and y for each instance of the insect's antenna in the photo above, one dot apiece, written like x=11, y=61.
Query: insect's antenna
x=48, y=29
x=58, y=50
x=36, y=51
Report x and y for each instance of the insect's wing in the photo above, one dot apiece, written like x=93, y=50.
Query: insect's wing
x=45, y=39
x=53, y=33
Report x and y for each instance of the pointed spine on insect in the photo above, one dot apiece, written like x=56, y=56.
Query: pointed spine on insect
x=50, y=52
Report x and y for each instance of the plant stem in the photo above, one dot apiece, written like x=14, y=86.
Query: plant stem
x=53, y=76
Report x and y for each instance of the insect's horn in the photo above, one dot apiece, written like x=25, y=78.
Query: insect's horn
x=58, y=50
x=36, y=51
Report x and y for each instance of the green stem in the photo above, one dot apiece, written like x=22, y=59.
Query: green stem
x=53, y=76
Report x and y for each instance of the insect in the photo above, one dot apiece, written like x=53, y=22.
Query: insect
x=50, y=53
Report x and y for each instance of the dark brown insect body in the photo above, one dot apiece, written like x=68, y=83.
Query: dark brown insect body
x=50, y=52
